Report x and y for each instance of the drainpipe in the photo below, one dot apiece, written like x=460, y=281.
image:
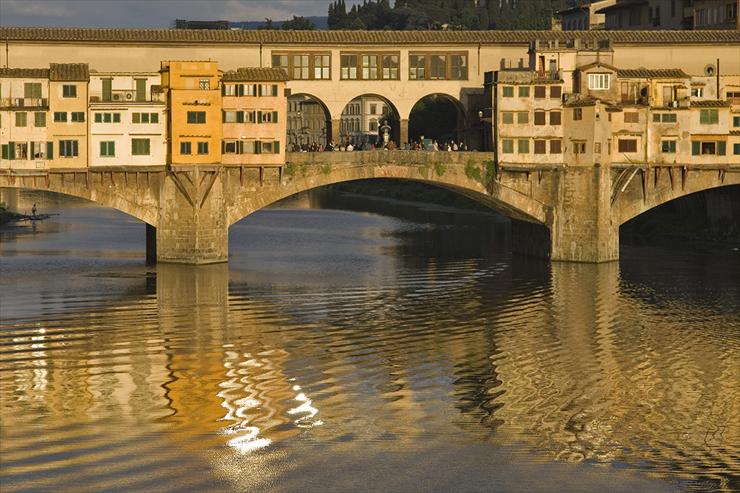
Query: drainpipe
x=718, y=91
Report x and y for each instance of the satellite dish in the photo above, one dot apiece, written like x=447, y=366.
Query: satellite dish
x=710, y=69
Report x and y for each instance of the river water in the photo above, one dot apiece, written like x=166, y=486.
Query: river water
x=400, y=350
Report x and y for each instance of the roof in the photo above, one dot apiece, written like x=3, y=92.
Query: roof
x=644, y=73
x=734, y=132
x=255, y=74
x=69, y=71
x=208, y=36
x=710, y=103
x=26, y=73
x=598, y=64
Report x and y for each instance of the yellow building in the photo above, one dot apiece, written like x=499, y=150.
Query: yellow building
x=193, y=96
x=254, y=116
x=67, y=127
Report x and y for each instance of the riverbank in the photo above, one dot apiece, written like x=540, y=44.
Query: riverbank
x=7, y=216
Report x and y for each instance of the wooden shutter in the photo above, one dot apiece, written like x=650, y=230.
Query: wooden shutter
x=5, y=151
x=50, y=150
x=102, y=149
x=259, y=117
x=695, y=148
x=276, y=147
x=274, y=117
x=11, y=150
x=721, y=148
x=240, y=117
x=274, y=90
x=257, y=147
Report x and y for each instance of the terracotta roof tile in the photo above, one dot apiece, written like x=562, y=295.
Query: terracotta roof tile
x=645, y=73
x=26, y=73
x=69, y=71
x=255, y=74
x=710, y=103
x=205, y=36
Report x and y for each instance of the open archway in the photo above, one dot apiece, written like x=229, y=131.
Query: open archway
x=439, y=117
x=365, y=120
x=309, y=122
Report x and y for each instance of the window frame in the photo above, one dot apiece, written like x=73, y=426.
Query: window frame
x=428, y=65
x=600, y=77
x=141, y=141
x=196, y=117
x=69, y=90
x=310, y=66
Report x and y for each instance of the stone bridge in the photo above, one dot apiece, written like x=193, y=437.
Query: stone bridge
x=569, y=213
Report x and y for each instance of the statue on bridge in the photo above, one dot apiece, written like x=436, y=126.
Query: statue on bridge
x=385, y=130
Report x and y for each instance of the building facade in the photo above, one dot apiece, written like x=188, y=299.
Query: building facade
x=716, y=14
x=583, y=16
x=67, y=127
x=127, y=119
x=255, y=116
x=24, y=109
x=638, y=15
x=584, y=111
x=193, y=94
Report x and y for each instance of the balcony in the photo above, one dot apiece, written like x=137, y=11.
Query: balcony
x=126, y=96
x=24, y=103
x=548, y=75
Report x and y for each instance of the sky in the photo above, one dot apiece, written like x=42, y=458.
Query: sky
x=151, y=13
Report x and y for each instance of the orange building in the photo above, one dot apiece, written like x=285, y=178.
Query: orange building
x=254, y=116
x=193, y=98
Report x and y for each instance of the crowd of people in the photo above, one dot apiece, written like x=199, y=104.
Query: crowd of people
x=414, y=145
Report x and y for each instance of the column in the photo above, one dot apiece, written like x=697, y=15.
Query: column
x=403, y=132
x=336, y=127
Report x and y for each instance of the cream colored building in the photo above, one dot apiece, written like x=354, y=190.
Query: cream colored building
x=362, y=119
x=716, y=14
x=67, y=125
x=254, y=116
x=580, y=114
x=193, y=96
x=128, y=118
x=24, y=107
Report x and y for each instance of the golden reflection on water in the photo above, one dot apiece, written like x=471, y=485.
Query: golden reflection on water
x=574, y=368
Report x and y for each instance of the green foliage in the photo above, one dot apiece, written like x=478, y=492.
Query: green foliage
x=298, y=24
x=491, y=173
x=325, y=168
x=439, y=168
x=444, y=14
x=471, y=170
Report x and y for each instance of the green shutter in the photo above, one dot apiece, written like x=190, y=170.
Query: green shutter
x=695, y=148
x=141, y=89
x=11, y=150
x=116, y=118
x=259, y=117
x=223, y=147
x=276, y=147
x=154, y=118
x=721, y=148
x=274, y=117
x=223, y=89
x=5, y=151
x=136, y=117
x=50, y=150
x=102, y=149
x=257, y=147
x=274, y=90
x=107, y=89
x=240, y=117
x=98, y=118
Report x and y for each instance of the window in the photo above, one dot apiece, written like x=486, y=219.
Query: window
x=540, y=146
x=539, y=117
x=577, y=113
x=507, y=92
x=555, y=118
x=267, y=117
x=664, y=117
x=597, y=147
x=507, y=146
x=736, y=121
x=39, y=119
x=69, y=91
x=668, y=146
x=390, y=67
x=709, y=117
x=522, y=117
x=373, y=125
x=107, y=149
x=60, y=116
x=21, y=119
x=736, y=149
x=78, y=116
x=579, y=147
x=708, y=148
x=185, y=148
x=627, y=145
x=68, y=148
x=202, y=148
x=438, y=67
x=139, y=147
x=321, y=66
x=281, y=61
x=38, y=149
x=301, y=69
x=556, y=146
x=523, y=146
x=196, y=117
x=348, y=70
x=458, y=67
x=598, y=81
x=369, y=67
x=230, y=146
x=507, y=117
x=556, y=92
x=229, y=89
x=204, y=84
x=523, y=91
x=697, y=92
x=631, y=117
x=19, y=150
x=417, y=67
x=32, y=90
x=230, y=116
x=540, y=92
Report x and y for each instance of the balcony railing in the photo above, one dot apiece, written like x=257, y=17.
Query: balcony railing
x=24, y=102
x=130, y=96
x=548, y=75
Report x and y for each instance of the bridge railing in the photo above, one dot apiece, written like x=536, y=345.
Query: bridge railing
x=383, y=157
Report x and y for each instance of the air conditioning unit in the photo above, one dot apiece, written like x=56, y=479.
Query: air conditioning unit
x=123, y=96
x=673, y=104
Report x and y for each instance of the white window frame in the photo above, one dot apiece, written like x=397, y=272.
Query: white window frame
x=599, y=81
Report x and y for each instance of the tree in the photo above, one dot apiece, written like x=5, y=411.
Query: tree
x=298, y=24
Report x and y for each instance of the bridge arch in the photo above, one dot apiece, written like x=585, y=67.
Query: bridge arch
x=138, y=202
x=309, y=120
x=363, y=116
x=438, y=116
x=456, y=173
